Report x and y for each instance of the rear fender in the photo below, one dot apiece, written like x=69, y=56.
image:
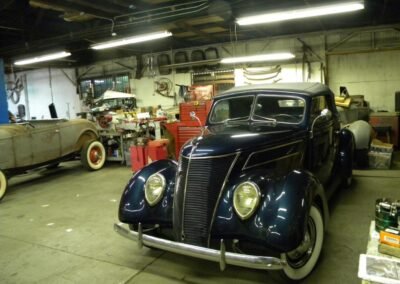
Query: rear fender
x=133, y=207
x=346, y=152
x=282, y=215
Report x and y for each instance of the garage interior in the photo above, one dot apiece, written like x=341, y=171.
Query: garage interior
x=56, y=223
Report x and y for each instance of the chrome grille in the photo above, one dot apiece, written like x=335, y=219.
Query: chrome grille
x=205, y=178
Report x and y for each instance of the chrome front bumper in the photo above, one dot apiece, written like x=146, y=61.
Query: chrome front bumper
x=220, y=256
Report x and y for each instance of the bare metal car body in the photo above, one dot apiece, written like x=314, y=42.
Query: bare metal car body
x=37, y=143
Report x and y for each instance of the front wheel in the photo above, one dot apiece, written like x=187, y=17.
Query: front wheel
x=93, y=155
x=301, y=261
x=3, y=185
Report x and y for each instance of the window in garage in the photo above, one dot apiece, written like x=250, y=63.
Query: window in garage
x=92, y=88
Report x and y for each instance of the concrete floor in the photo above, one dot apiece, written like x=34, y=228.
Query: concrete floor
x=56, y=227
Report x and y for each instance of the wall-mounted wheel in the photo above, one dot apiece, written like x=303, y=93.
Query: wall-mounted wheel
x=93, y=155
x=3, y=185
x=301, y=261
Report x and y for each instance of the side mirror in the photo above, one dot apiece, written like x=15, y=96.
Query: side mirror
x=325, y=113
x=193, y=116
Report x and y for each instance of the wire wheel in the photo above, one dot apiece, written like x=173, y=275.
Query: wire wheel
x=93, y=155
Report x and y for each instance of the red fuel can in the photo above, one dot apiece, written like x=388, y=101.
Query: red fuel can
x=139, y=155
x=157, y=150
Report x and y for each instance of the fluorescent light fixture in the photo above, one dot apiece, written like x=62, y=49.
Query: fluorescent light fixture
x=131, y=40
x=42, y=58
x=259, y=58
x=330, y=9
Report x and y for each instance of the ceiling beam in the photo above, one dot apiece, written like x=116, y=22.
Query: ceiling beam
x=62, y=6
x=108, y=8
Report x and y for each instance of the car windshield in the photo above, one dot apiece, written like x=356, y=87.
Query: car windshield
x=268, y=108
x=233, y=109
x=279, y=109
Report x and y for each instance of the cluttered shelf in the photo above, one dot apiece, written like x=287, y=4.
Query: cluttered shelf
x=381, y=262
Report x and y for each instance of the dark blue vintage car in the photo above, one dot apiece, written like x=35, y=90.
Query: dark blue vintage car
x=252, y=190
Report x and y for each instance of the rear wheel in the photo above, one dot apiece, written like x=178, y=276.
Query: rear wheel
x=301, y=261
x=93, y=155
x=3, y=185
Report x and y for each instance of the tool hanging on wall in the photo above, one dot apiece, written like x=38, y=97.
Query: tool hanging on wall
x=164, y=87
x=14, y=88
x=262, y=75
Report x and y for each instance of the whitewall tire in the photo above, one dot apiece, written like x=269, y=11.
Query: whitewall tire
x=93, y=155
x=3, y=185
x=302, y=260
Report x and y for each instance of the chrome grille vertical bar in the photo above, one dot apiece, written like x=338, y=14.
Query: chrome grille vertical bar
x=219, y=197
x=202, y=185
x=184, y=191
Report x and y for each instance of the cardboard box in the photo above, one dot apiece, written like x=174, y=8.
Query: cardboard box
x=379, y=160
x=380, y=155
x=390, y=236
x=389, y=250
x=379, y=146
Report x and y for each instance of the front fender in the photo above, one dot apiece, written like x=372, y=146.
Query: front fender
x=133, y=207
x=280, y=221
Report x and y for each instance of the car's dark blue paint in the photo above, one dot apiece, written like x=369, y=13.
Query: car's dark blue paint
x=133, y=206
x=346, y=151
x=241, y=138
x=280, y=205
x=292, y=168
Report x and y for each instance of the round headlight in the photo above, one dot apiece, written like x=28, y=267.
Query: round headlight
x=245, y=199
x=154, y=188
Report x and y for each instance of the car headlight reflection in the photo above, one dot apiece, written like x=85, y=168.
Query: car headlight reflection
x=154, y=188
x=245, y=199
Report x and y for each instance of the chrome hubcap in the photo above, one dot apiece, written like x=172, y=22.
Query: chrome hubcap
x=95, y=155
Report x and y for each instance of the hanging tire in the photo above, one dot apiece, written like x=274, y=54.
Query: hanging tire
x=301, y=261
x=93, y=155
x=3, y=184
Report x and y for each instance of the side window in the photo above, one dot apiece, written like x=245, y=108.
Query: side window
x=318, y=104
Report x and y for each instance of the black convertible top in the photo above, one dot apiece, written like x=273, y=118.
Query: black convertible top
x=310, y=89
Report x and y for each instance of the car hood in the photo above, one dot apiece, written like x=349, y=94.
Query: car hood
x=229, y=140
x=9, y=130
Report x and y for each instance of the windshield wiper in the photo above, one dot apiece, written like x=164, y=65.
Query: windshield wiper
x=266, y=119
x=237, y=121
x=265, y=122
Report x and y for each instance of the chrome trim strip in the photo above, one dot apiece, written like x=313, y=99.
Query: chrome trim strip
x=274, y=160
x=219, y=197
x=209, y=157
x=265, y=150
x=220, y=256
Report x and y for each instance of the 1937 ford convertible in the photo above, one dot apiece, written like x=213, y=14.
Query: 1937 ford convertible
x=252, y=190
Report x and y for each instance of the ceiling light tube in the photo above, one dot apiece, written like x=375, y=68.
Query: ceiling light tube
x=259, y=58
x=42, y=58
x=343, y=7
x=131, y=40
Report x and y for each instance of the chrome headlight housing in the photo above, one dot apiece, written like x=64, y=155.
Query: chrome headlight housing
x=154, y=188
x=246, y=198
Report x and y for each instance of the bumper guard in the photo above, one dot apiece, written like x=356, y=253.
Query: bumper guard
x=220, y=256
